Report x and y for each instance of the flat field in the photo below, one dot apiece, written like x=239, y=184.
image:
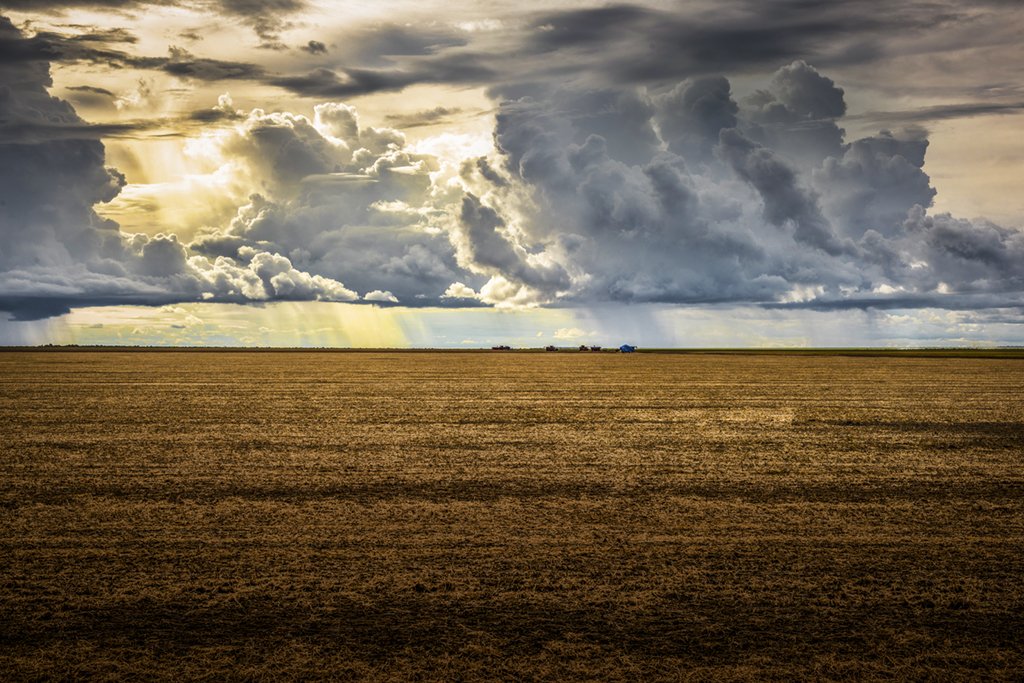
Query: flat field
x=453, y=516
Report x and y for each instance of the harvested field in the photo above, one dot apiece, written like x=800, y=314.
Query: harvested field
x=510, y=516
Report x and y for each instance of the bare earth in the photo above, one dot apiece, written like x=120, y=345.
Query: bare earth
x=510, y=516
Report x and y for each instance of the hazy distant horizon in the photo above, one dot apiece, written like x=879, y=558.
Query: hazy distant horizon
x=328, y=325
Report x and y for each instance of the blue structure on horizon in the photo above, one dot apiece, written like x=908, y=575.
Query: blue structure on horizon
x=626, y=348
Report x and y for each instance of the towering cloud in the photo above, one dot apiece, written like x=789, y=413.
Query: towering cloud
x=339, y=198
x=761, y=201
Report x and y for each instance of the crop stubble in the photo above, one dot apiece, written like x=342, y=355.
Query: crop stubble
x=533, y=516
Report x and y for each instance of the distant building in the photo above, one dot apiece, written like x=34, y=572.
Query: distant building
x=595, y=348
x=626, y=348
x=501, y=348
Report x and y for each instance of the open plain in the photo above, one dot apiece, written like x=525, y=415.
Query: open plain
x=262, y=515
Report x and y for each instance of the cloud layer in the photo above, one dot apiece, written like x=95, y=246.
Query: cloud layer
x=58, y=252
x=640, y=177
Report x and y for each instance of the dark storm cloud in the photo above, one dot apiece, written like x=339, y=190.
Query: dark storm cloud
x=184, y=64
x=35, y=133
x=785, y=202
x=693, y=113
x=489, y=249
x=89, y=96
x=941, y=112
x=260, y=8
x=373, y=50
x=985, y=257
x=617, y=45
x=91, y=89
x=351, y=82
x=427, y=117
x=49, y=46
x=268, y=18
x=637, y=44
x=588, y=26
x=373, y=45
x=88, y=34
x=622, y=117
x=630, y=45
x=46, y=46
x=875, y=181
x=796, y=115
x=19, y=128
x=808, y=94
x=314, y=47
x=327, y=84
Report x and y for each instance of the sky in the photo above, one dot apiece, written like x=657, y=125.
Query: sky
x=458, y=174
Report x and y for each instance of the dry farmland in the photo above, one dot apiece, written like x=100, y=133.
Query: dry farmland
x=447, y=516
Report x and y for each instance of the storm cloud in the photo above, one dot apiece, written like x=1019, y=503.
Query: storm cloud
x=640, y=154
x=614, y=45
x=757, y=201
